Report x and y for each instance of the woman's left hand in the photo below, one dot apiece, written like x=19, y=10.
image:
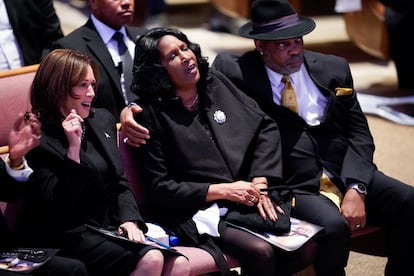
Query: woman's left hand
x=131, y=231
x=267, y=207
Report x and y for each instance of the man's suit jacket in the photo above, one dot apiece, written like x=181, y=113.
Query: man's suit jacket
x=183, y=157
x=342, y=143
x=86, y=39
x=35, y=25
x=64, y=195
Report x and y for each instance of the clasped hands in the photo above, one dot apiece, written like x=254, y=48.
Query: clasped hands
x=250, y=194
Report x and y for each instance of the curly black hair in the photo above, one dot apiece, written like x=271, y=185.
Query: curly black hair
x=150, y=79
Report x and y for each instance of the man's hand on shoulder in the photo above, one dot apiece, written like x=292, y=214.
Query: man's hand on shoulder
x=134, y=134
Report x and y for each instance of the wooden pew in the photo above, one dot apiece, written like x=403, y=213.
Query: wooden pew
x=366, y=28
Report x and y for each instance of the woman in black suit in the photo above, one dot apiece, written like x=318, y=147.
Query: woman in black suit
x=210, y=147
x=78, y=178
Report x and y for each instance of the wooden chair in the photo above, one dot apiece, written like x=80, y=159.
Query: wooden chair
x=14, y=98
x=366, y=28
x=241, y=8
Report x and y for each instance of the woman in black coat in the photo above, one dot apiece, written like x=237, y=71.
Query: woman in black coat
x=78, y=179
x=211, y=148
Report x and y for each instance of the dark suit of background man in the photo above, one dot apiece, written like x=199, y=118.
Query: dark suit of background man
x=329, y=134
x=399, y=20
x=95, y=39
x=31, y=26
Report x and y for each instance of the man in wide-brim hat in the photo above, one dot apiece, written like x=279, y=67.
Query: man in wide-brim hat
x=274, y=20
x=326, y=142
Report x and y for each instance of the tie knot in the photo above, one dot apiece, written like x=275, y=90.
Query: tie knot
x=119, y=37
x=285, y=79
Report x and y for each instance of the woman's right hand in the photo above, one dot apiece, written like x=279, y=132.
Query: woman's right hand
x=24, y=136
x=72, y=125
x=240, y=191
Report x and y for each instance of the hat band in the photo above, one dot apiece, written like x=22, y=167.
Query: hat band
x=277, y=24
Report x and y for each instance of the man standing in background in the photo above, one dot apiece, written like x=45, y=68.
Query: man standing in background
x=27, y=30
x=107, y=39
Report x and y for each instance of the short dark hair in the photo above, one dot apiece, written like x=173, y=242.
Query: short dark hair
x=150, y=79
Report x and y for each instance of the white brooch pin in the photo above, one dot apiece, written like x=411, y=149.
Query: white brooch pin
x=219, y=117
x=107, y=135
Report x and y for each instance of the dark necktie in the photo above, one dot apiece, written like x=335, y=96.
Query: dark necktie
x=126, y=65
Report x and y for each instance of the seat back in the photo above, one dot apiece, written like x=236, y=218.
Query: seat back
x=14, y=98
x=366, y=28
x=132, y=173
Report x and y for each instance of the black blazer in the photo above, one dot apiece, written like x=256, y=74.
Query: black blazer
x=182, y=158
x=10, y=190
x=35, y=25
x=64, y=195
x=342, y=143
x=86, y=39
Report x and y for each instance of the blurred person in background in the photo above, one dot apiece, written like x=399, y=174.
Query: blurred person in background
x=399, y=20
x=27, y=30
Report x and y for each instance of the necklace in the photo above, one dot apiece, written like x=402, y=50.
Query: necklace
x=83, y=131
x=193, y=103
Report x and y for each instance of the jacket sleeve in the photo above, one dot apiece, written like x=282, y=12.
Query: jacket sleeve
x=350, y=122
x=51, y=28
x=10, y=189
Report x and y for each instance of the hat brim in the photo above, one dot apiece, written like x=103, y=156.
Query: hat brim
x=306, y=26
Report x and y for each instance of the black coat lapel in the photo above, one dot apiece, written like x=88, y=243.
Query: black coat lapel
x=235, y=134
x=98, y=48
x=107, y=137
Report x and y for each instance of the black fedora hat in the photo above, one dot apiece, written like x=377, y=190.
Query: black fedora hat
x=275, y=20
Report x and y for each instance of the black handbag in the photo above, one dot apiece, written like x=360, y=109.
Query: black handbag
x=250, y=218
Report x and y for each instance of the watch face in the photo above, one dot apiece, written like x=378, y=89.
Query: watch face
x=362, y=188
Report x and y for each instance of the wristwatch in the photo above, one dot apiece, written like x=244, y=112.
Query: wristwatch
x=359, y=187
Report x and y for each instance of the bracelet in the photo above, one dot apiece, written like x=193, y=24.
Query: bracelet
x=132, y=104
x=19, y=167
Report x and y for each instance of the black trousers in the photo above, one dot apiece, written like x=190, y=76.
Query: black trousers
x=399, y=22
x=334, y=241
x=389, y=204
